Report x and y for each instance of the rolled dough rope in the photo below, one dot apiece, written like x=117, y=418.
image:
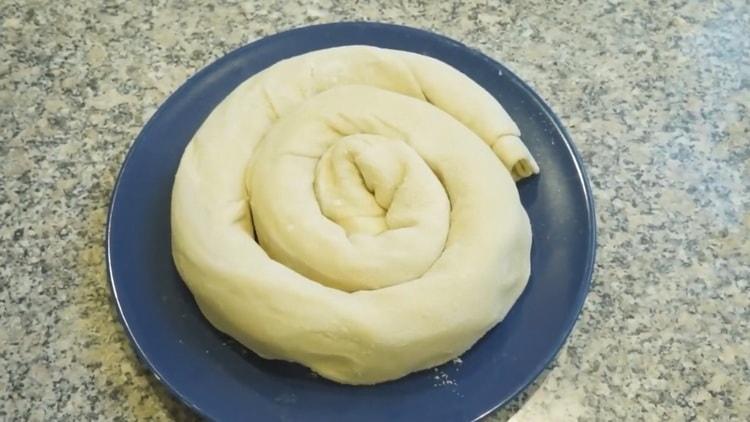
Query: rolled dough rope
x=391, y=238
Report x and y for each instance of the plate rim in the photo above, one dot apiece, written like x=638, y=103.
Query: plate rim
x=582, y=176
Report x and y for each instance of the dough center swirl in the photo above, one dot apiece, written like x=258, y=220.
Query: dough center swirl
x=370, y=210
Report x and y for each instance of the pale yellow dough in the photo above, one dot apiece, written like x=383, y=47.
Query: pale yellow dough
x=391, y=235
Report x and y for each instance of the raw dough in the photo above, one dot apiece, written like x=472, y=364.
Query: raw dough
x=391, y=236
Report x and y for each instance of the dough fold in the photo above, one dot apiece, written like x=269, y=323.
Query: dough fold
x=380, y=187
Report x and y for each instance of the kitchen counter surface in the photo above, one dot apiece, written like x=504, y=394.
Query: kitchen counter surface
x=656, y=96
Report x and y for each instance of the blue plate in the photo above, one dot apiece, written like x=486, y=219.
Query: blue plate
x=221, y=380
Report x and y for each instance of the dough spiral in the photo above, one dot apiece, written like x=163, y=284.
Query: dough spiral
x=390, y=237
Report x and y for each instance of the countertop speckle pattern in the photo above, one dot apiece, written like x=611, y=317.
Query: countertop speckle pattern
x=656, y=96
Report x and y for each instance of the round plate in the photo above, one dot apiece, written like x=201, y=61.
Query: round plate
x=221, y=380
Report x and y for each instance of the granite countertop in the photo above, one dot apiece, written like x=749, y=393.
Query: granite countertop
x=655, y=94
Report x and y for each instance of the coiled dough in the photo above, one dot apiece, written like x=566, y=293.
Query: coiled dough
x=379, y=185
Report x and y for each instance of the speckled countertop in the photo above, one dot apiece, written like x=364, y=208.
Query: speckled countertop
x=656, y=96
